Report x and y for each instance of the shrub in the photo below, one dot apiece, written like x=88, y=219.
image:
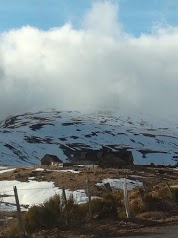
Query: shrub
x=152, y=203
x=73, y=213
x=118, y=196
x=175, y=194
x=43, y=217
x=14, y=228
x=136, y=206
x=157, y=198
x=104, y=207
x=158, y=201
x=53, y=214
x=153, y=215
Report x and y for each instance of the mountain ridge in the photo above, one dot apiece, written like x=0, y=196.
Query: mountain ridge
x=26, y=138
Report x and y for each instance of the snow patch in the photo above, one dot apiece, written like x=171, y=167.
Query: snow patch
x=35, y=193
x=39, y=169
x=6, y=170
x=119, y=183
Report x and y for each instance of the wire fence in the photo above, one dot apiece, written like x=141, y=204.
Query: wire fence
x=24, y=189
x=5, y=194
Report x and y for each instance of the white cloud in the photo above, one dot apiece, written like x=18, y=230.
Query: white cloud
x=103, y=19
x=97, y=66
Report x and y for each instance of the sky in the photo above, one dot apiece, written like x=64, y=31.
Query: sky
x=89, y=55
x=137, y=16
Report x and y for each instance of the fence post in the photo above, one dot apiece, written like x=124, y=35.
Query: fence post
x=169, y=188
x=89, y=198
x=126, y=202
x=64, y=196
x=21, y=224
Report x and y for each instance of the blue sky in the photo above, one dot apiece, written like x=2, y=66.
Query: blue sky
x=136, y=16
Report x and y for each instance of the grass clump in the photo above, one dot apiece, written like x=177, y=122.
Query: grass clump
x=51, y=214
x=55, y=213
x=45, y=216
x=175, y=194
x=107, y=206
x=73, y=214
x=157, y=199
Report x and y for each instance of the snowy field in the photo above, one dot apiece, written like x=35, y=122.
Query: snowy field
x=35, y=193
x=25, y=139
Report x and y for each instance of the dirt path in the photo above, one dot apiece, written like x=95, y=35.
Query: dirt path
x=163, y=232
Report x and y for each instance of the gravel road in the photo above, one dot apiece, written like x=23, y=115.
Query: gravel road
x=163, y=232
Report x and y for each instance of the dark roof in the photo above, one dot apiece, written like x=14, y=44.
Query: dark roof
x=112, y=157
x=53, y=157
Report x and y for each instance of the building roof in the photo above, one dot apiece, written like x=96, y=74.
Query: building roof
x=112, y=157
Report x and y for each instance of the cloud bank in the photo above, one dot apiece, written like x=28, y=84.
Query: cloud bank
x=95, y=67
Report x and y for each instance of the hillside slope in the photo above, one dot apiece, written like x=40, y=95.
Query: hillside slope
x=24, y=139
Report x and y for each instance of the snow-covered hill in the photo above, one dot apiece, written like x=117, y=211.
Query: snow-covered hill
x=24, y=139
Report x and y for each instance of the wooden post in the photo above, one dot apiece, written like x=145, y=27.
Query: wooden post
x=169, y=188
x=126, y=202
x=21, y=224
x=64, y=196
x=89, y=198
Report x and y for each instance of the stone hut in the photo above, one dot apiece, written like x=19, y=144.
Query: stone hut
x=50, y=160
